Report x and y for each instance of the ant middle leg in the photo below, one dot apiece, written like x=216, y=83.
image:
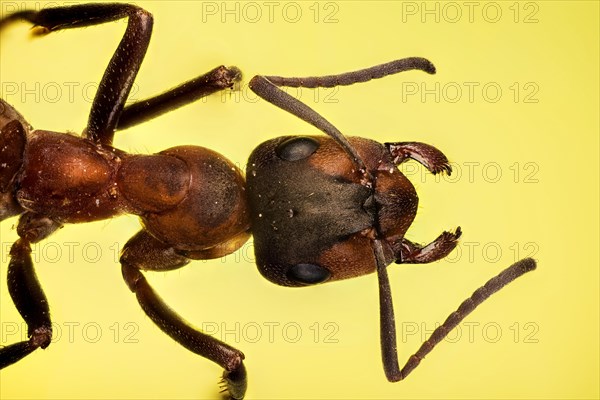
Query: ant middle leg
x=144, y=252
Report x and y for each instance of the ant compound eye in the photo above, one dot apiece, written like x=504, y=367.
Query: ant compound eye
x=308, y=274
x=297, y=148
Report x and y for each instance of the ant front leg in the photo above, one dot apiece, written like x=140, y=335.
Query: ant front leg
x=216, y=80
x=26, y=291
x=144, y=252
x=122, y=69
x=108, y=112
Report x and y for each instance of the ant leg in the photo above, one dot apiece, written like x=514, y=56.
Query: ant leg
x=431, y=158
x=26, y=291
x=267, y=88
x=218, y=79
x=30, y=300
x=408, y=252
x=389, y=351
x=123, y=67
x=144, y=252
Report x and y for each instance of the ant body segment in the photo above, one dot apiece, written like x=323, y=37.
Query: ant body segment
x=320, y=208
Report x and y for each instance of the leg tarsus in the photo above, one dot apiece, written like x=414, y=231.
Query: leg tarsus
x=235, y=382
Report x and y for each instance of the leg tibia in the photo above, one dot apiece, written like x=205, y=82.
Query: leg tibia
x=30, y=300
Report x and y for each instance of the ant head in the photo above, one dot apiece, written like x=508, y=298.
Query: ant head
x=316, y=211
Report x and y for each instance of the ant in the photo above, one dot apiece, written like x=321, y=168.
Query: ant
x=321, y=208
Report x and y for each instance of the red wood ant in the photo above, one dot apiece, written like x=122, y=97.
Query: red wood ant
x=320, y=208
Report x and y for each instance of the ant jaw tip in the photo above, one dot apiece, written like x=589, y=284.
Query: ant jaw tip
x=458, y=232
x=38, y=30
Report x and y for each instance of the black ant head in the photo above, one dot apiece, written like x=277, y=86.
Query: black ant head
x=316, y=211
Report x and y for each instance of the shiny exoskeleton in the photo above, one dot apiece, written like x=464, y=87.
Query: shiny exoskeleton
x=321, y=208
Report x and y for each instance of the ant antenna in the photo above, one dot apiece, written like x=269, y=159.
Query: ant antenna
x=267, y=87
x=387, y=323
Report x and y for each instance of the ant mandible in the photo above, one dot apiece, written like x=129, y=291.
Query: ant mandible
x=320, y=208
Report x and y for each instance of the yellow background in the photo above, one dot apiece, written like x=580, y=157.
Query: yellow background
x=538, y=338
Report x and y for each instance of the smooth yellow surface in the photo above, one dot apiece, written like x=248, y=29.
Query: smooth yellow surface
x=538, y=338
